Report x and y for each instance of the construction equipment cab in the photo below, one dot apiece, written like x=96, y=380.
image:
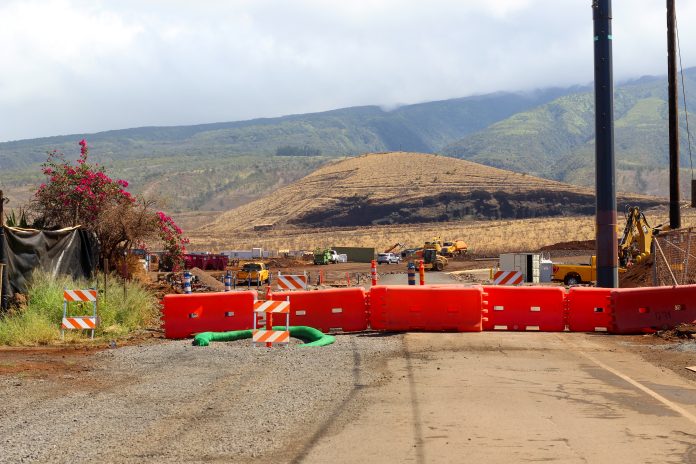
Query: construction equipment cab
x=432, y=260
x=256, y=273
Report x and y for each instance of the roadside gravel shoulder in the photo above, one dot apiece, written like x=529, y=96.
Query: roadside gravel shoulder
x=171, y=401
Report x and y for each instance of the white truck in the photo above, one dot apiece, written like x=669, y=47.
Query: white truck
x=334, y=257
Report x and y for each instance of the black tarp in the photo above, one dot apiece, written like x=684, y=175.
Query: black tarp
x=72, y=251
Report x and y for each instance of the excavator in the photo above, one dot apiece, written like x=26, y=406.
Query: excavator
x=396, y=246
x=636, y=242
x=634, y=247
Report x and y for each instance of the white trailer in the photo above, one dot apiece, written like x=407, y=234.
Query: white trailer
x=526, y=263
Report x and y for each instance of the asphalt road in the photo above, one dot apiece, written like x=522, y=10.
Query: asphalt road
x=517, y=397
x=402, y=279
x=490, y=397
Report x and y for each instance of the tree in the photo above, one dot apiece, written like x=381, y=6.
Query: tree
x=83, y=194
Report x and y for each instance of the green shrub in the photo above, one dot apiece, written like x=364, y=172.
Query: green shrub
x=39, y=321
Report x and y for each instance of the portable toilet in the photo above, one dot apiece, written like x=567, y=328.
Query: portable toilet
x=545, y=268
x=526, y=263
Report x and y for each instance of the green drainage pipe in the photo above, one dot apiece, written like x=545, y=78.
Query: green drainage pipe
x=309, y=335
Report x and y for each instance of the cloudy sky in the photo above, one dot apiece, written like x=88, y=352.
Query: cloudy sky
x=72, y=66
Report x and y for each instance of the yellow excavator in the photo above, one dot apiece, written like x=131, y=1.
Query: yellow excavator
x=634, y=247
x=636, y=241
x=394, y=247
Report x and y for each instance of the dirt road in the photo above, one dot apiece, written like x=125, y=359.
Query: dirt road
x=483, y=397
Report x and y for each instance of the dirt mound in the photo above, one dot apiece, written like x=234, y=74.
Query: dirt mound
x=282, y=263
x=407, y=188
x=681, y=331
x=580, y=245
x=638, y=275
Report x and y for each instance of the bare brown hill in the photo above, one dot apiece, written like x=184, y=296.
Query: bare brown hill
x=408, y=188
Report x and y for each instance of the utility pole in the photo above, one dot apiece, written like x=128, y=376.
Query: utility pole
x=605, y=179
x=673, y=90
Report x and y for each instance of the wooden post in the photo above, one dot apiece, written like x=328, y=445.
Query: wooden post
x=2, y=213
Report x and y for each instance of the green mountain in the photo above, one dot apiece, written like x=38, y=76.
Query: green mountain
x=547, y=133
x=556, y=139
x=219, y=166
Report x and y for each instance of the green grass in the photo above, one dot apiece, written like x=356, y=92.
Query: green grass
x=38, y=323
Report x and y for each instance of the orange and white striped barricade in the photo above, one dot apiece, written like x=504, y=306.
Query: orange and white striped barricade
x=268, y=335
x=507, y=278
x=292, y=282
x=79, y=322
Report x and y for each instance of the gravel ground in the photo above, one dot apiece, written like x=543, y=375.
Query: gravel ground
x=174, y=402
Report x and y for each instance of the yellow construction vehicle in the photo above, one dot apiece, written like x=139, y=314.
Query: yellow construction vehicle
x=634, y=246
x=394, y=247
x=432, y=260
x=434, y=244
x=458, y=247
x=636, y=242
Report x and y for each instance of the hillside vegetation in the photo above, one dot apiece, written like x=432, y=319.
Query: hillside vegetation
x=556, y=140
x=219, y=166
x=406, y=188
x=547, y=133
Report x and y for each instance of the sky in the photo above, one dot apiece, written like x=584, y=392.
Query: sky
x=82, y=66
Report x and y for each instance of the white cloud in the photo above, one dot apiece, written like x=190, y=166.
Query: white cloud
x=81, y=66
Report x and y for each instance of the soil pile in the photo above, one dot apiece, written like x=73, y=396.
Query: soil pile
x=283, y=263
x=638, y=275
x=681, y=331
x=576, y=245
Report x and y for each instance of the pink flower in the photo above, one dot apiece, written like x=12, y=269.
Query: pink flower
x=83, y=148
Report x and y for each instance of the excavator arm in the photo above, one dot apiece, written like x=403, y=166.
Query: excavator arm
x=394, y=247
x=636, y=242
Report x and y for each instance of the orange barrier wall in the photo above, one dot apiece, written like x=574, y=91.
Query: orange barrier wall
x=525, y=308
x=426, y=308
x=336, y=309
x=588, y=309
x=639, y=310
x=185, y=315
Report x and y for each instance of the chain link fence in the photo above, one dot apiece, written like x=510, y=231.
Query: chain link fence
x=674, y=253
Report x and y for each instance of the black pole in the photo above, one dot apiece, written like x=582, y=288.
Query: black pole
x=674, y=216
x=4, y=279
x=607, y=249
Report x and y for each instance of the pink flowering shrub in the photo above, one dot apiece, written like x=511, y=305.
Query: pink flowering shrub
x=174, y=242
x=83, y=194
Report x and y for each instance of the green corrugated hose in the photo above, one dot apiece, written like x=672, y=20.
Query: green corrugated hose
x=309, y=335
